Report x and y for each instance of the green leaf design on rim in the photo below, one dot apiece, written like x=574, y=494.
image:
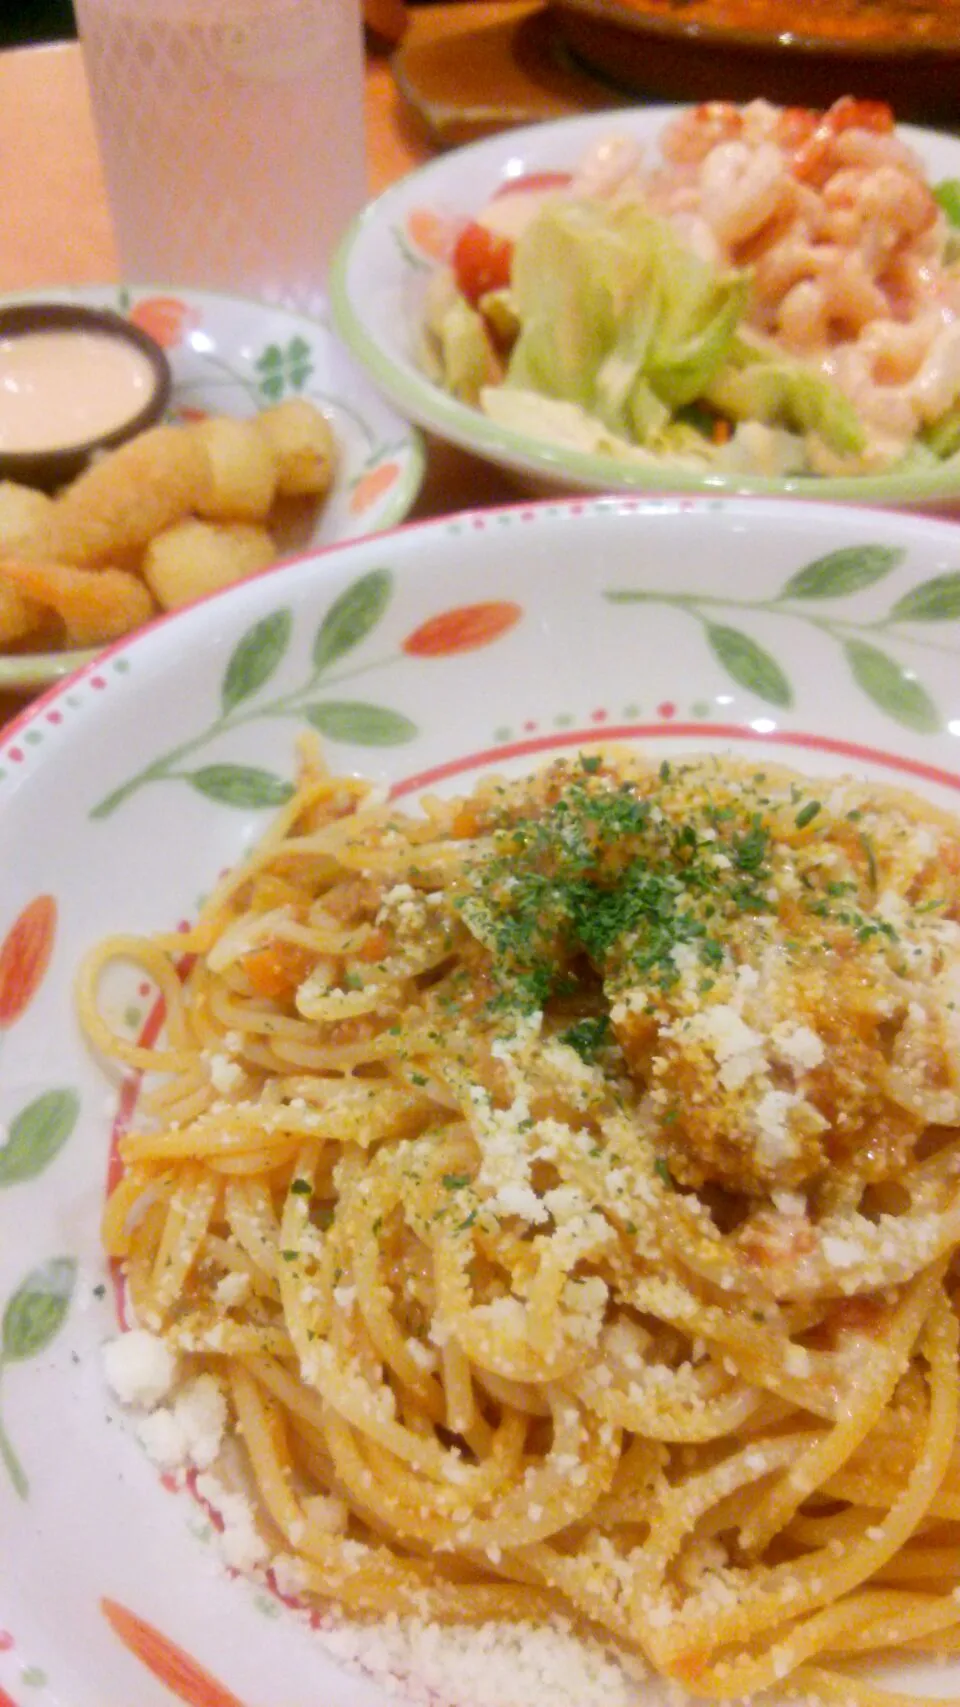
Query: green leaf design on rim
x=420, y=263
x=845, y=571
x=937, y=600
x=892, y=688
x=352, y=616
x=240, y=785
x=890, y=685
x=255, y=658
x=750, y=665
x=35, y=1313
x=367, y=725
x=37, y=1134
x=32, y=1319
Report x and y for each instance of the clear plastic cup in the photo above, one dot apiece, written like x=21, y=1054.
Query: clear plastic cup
x=232, y=138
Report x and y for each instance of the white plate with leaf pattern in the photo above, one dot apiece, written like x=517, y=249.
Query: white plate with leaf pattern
x=828, y=638
x=232, y=356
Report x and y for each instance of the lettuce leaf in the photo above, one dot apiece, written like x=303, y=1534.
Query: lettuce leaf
x=616, y=316
x=467, y=358
x=781, y=392
x=943, y=435
x=609, y=315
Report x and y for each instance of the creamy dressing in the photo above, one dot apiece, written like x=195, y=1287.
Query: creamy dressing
x=63, y=387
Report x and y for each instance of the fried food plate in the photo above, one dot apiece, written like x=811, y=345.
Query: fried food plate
x=234, y=357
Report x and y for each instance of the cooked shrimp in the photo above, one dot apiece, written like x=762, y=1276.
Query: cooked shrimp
x=784, y=266
x=847, y=300
x=607, y=167
x=743, y=188
x=859, y=147
x=802, y=316
x=818, y=154
x=690, y=138
x=853, y=297
x=937, y=384
x=886, y=409
x=878, y=211
x=670, y=193
x=896, y=351
x=93, y=605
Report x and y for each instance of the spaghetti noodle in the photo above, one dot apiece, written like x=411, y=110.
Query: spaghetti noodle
x=563, y=1185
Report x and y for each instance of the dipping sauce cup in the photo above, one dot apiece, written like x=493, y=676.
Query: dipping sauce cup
x=73, y=381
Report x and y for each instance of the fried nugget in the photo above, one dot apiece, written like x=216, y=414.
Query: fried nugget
x=303, y=446
x=24, y=520
x=243, y=474
x=19, y=617
x=124, y=499
x=195, y=558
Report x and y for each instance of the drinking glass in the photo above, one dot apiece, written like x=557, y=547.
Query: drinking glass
x=232, y=138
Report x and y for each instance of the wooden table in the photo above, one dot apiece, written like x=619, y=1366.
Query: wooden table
x=56, y=223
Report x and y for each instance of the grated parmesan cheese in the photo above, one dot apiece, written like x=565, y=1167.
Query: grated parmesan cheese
x=241, y=1543
x=232, y=1288
x=492, y=1665
x=188, y=1432
x=775, y=1141
x=225, y=1074
x=800, y=1045
x=139, y=1367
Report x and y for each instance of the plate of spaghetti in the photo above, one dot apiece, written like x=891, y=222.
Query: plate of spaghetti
x=480, y=1087
x=712, y=298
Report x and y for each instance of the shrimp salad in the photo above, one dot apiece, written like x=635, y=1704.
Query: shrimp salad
x=773, y=291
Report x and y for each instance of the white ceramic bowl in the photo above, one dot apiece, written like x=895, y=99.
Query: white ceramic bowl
x=489, y=640
x=378, y=285
x=233, y=356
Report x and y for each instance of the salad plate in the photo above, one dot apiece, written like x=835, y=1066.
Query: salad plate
x=233, y=356
x=823, y=637
x=383, y=284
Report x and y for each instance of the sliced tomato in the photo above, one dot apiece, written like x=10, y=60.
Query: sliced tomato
x=533, y=181
x=815, y=156
x=850, y=114
x=481, y=261
x=796, y=125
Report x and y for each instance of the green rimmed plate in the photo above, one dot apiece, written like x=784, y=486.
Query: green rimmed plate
x=378, y=287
